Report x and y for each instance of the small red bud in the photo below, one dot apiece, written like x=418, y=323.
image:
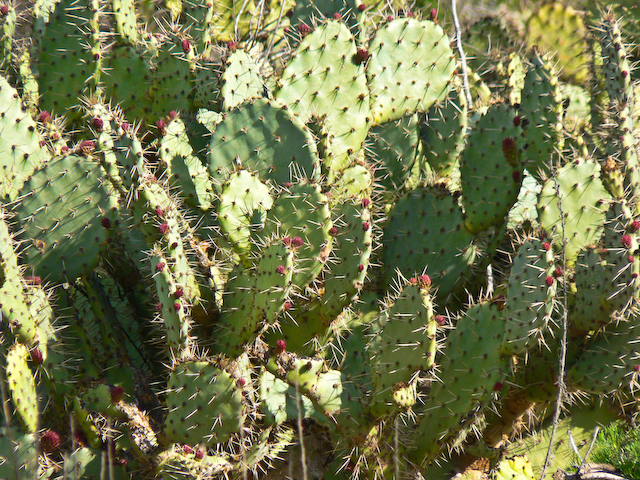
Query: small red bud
x=424, y=281
x=161, y=125
x=631, y=259
x=361, y=268
x=199, y=454
x=289, y=13
x=366, y=202
x=232, y=46
x=4, y=10
x=297, y=242
x=179, y=293
x=440, y=320
x=186, y=46
x=287, y=306
x=366, y=226
x=498, y=386
x=36, y=356
x=546, y=246
x=98, y=124
x=333, y=231
x=187, y=449
x=177, y=306
x=626, y=241
x=281, y=346
x=281, y=269
x=241, y=382
x=549, y=281
x=117, y=393
x=50, y=441
x=337, y=16
x=286, y=241
x=362, y=7
x=558, y=272
x=304, y=29
x=44, y=117
x=164, y=228
x=634, y=226
x=160, y=266
x=433, y=14
x=517, y=120
x=105, y=222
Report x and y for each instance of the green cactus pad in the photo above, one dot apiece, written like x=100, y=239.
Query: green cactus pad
x=589, y=312
x=578, y=191
x=442, y=133
x=405, y=343
x=491, y=169
x=541, y=112
x=352, y=248
x=322, y=81
x=610, y=362
x=560, y=30
x=68, y=56
x=355, y=182
x=410, y=68
x=470, y=371
x=530, y=299
x=18, y=454
x=392, y=150
x=128, y=79
x=203, y=403
x=184, y=167
x=254, y=297
x=266, y=139
x=425, y=235
x=302, y=210
x=242, y=206
x=22, y=386
x=516, y=468
x=67, y=216
x=240, y=81
x=20, y=152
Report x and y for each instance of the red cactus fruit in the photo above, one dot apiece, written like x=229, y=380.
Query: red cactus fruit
x=50, y=441
x=161, y=125
x=424, y=281
x=289, y=13
x=362, y=7
x=186, y=46
x=409, y=14
x=4, y=10
x=337, y=16
x=361, y=56
x=159, y=212
x=625, y=74
x=87, y=146
x=164, y=228
x=36, y=356
x=177, y=306
x=389, y=18
x=33, y=280
x=287, y=306
x=44, y=117
x=636, y=368
x=297, y=242
x=241, y=382
x=105, y=222
x=631, y=259
x=287, y=241
x=186, y=449
x=634, y=275
x=366, y=226
x=516, y=176
x=361, y=268
x=117, y=393
x=98, y=123
x=96, y=56
x=546, y=246
x=232, y=46
x=179, y=293
x=433, y=14
x=510, y=150
x=549, y=280
x=517, y=120
x=304, y=29
x=333, y=231
x=125, y=126
x=160, y=266
x=366, y=202
x=281, y=346
x=287, y=184
x=281, y=269
x=626, y=241
x=64, y=149
x=440, y=320
x=634, y=226
x=558, y=272
x=199, y=454
x=498, y=386
x=173, y=114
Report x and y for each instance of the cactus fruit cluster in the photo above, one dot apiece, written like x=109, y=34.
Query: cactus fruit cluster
x=230, y=229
